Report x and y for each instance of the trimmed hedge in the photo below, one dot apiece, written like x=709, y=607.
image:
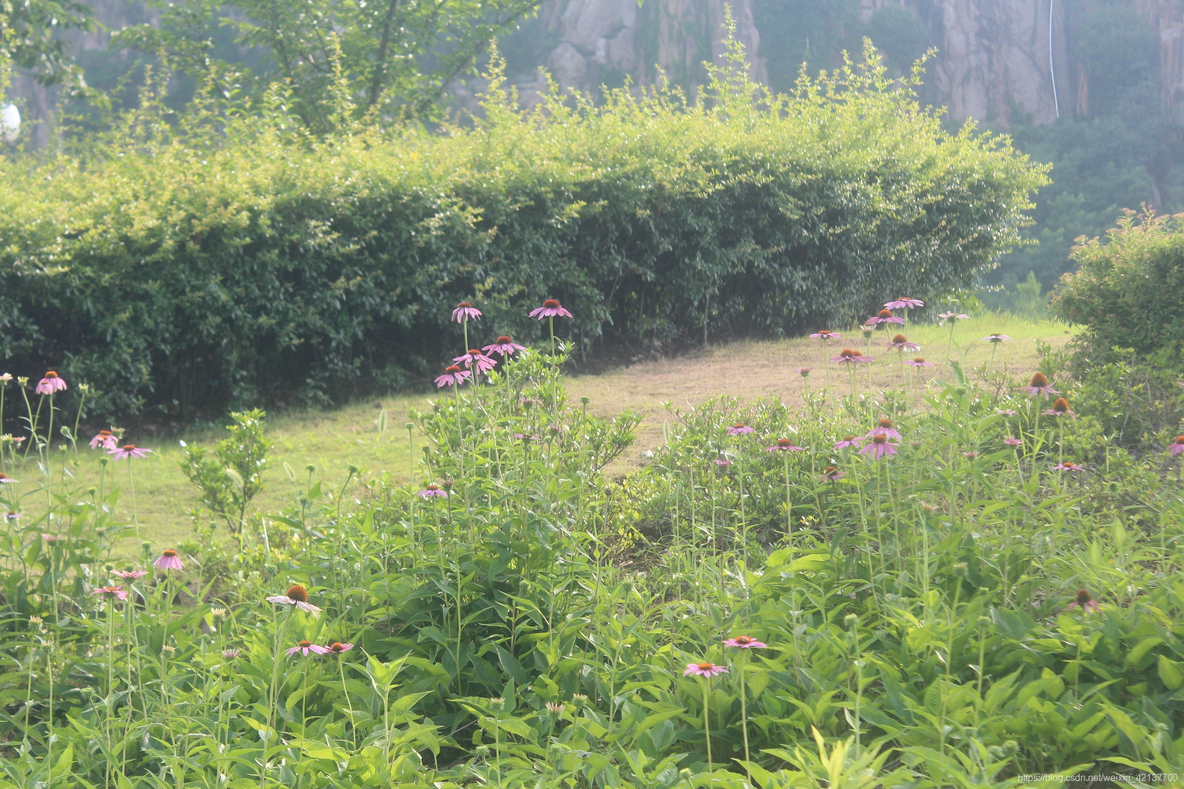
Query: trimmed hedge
x=273, y=268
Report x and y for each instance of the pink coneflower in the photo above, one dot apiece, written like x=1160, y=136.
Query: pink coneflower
x=704, y=670
x=1039, y=385
x=882, y=317
x=848, y=356
x=305, y=647
x=51, y=383
x=740, y=429
x=1013, y=442
x=745, y=642
x=722, y=462
x=1083, y=601
x=804, y=371
x=12, y=515
x=433, y=491
x=783, y=445
x=1067, y=466
x=6, y=480
x=1005, y=411
x=953, y=317
x=129, y=575
x=899, y=343
x=884, y=426
x=504, y=346
x=453, y=376
x=475, y=357
x=996, y=338
x=296, y=595
x=52, y=538
x=336, y=648
x=104, y=439
x=919, y=362
x=1060, y=407
x=848, y=442
x=109, y=592
x=970, y=455
x=879, y=447
x=1177, y=446
x=550, y=309
x=826, y=334
x=832, y=474
x=465, y=312
x=168, y=561
x=231, y=654
x=521, y=437
x=128, y=451
x=904, y=304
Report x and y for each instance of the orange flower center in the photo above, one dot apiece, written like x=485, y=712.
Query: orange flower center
x=885, y=423
x=1083, y=597
x=784, y=443
x=475, y=352
x=829, y=470
x=847, y=353
x=884, y=314
x=305, y=644
x=3, y=476
x=51, y=374
x=899, y=338
x=848, y=438
x=168, y=552
x=825, y=333
x=1179, y=439
x=1061, y=405
x=337, y=646
x=1038, y=380
x=550, y=304
x=464, y=304
x=880, y=438
x=298, y=593
x=104, y=433
x=128, y=447
x=433, y=486
x=452, y=369
x=743, y=640
x=738, y=426
x=706, y=666
x=504, y=338
x=919, y=360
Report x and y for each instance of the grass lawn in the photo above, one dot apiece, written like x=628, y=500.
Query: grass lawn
x=332, y=441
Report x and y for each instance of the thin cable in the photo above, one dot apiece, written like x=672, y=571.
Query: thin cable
x=1052, y=69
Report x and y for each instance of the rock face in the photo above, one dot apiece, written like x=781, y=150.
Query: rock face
x=1167, y=19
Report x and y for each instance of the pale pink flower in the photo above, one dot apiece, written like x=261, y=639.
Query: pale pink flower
x=336, y=648
x=51, y=383
x=52, y=538
x=305, y=647
x=168, y=561
x=879, y=447
x=1039, y=385
x=550, y=309
x=884, y=426
x=722, y=462
x=919, y=362
x=296, y=595
x=453, y=376
x=432, y=492
x=129, y=575
x=1177, y=446
x=882, y=317
x=904, y=304
x=503, y=346
x=1083, y=601
x=465, y=312
x=848, y=442
x=832, y=474
x=109, y=592
x=740, y=429
x=104, y=439
x=996, y=338
x=899, y=343
x=1005, y=411
x=6, y=480
x=804, y=371
x=952, y=317
x=1060, y=407
x=704, y=670
x=745, y=642
x=783, y=445
x=231, y=654
x=128, y=451
x=1067, y=466
x=826, y=334
x=1013, y=442
x=475, y=358
x=848, y=356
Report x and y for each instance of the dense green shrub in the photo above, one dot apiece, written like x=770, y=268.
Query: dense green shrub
x=272, y=266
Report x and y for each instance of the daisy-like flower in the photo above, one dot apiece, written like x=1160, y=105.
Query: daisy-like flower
x=1177, y=446
x=783, y=445
x=884, y=426
x=848, y=356
x=826, y=334
x=1083, y=601
x=879, y=447
x=1060, y=407
x=882, y=317
x=704, y=670
x=453, y=376
x=745, y=642
x=474, y=358
x=996, y=338
x=722, y=462
x=503, y=346
x=919, y=362
x=109, y=592
x=52, y=538
x=953, y=317
x=465, y=312
x=970, y=455
x=832, y=474
x=740, y=429
x=6, y=480
x=305, y=647
x=5, y=378
x=433, y=491
x=129, y=575
x=848, y=442
x=104, y=439
x=550, y=309
x=1067, y=466
x=904, y=304
x=899, y=343
x=522, y=437
x=1011, y=441
x=554, y=707
x=1039, y=385
x=51, y=383
x=296, y=595
x=11, y=516
x=231, y=654
x=168, y=561
x=1005, y=411
x=128, y=451
x=336, y=648
x=804, y=371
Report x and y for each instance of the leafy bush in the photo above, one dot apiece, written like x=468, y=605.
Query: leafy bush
x=250, y=263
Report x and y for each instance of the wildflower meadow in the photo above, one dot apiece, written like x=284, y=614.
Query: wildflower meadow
x=956, y=580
